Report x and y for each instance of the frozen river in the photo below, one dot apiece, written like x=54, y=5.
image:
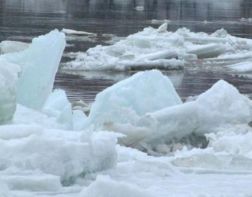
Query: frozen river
x=24, y=19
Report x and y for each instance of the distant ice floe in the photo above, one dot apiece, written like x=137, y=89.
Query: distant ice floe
x=159, y=48
x=51, y=148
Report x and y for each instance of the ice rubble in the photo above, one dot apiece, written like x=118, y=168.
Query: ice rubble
x=159, y=48
x=130, y=107
x=41, y=152
x=39, y=64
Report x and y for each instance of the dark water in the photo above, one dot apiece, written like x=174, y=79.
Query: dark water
x=24, y=19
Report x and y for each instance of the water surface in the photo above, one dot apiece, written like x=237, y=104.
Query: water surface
x=24, y=19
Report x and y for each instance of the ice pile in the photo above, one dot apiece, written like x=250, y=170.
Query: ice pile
x=147, y=109
x=41, y=148
x=159, y=48
x=48, y=149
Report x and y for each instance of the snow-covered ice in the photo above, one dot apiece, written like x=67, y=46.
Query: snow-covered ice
x=159, y=48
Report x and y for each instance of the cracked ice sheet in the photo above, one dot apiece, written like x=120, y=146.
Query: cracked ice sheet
x=160, y=48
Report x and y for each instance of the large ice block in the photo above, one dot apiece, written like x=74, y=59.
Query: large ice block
x=39, y=64
x=130, y=99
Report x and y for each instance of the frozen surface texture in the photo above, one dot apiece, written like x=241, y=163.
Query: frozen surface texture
x=8, y=79
x=39, y=64
x=159, y=48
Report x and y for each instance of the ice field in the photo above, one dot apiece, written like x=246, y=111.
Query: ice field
x=138, y=138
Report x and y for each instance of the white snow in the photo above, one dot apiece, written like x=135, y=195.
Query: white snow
x=159, y=48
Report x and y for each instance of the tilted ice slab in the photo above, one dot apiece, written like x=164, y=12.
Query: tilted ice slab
x=128, y=100
x=159, y=48
x=39, y=64
x=8, y=79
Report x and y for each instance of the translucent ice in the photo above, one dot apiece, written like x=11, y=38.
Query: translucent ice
x=130, y=99
x=39, y=64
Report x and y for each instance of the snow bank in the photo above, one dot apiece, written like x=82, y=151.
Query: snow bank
x=130, y=99
x=8, y=79
x=159, y=48
x=39, y=64
x=106, y=187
